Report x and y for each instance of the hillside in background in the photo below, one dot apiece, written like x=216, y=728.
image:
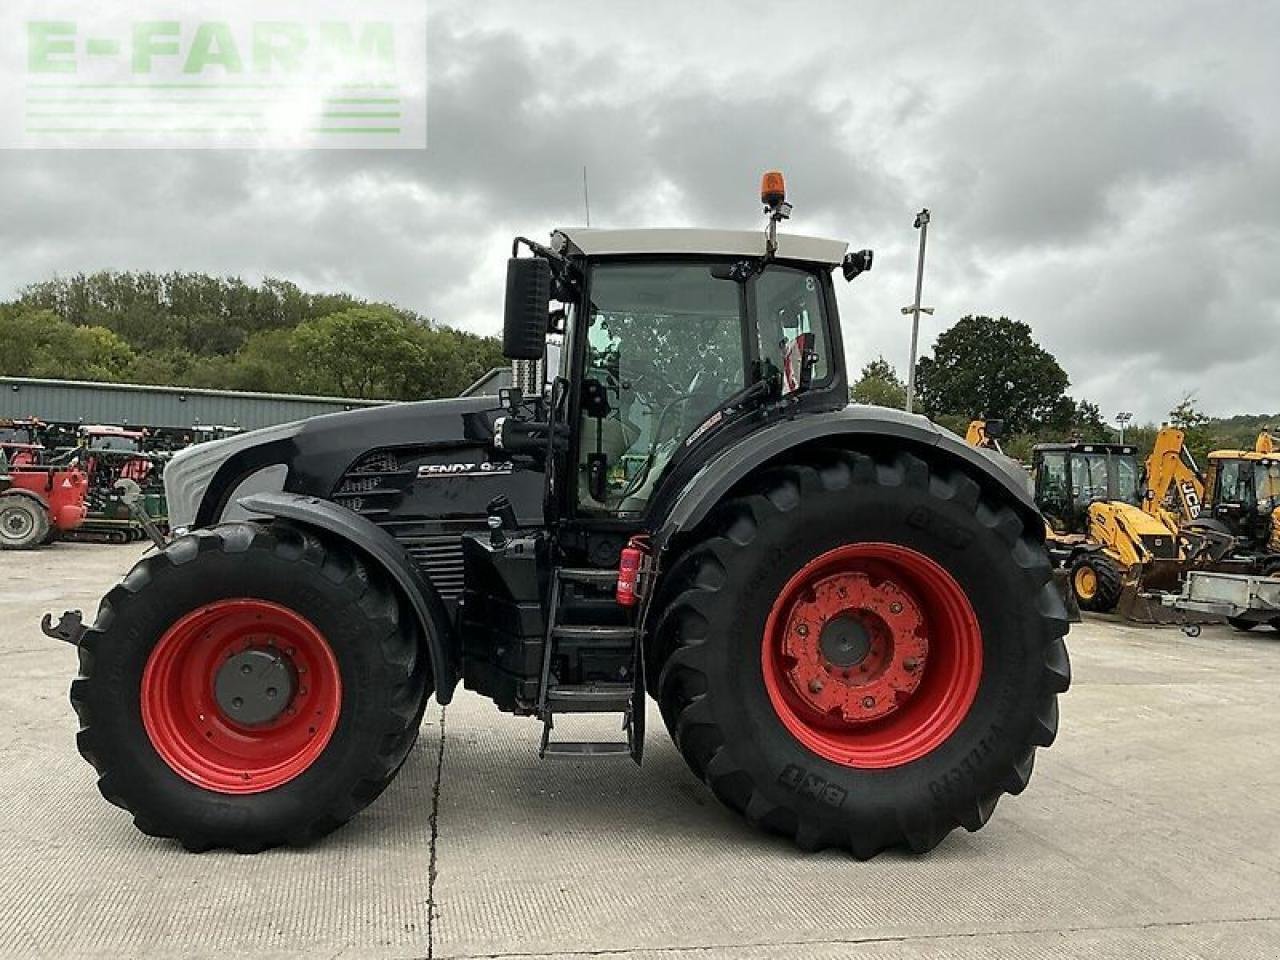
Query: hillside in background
x=190, y=329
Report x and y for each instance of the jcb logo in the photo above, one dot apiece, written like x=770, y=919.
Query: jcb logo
x=1191, y=499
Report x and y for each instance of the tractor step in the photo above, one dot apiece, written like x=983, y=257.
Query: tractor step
x=554, y=697
x=585, y=748
x=595, y=698
x=593, y=632
x=590, y=575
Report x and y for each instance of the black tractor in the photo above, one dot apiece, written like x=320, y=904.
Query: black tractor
x=844, y=613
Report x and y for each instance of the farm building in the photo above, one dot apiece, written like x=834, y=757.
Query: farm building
x=74, y=402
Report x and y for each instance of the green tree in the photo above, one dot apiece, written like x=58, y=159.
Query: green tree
x=1195, y=424
x=37, y=343
x=362, y=352
x=985, y=366
x=879, y=385
x=1075, y=420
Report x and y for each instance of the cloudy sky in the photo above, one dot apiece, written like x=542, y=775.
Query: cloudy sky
x=1108, y=173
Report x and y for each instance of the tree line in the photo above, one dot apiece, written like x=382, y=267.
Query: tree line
x=195, y=330
x=992, y=368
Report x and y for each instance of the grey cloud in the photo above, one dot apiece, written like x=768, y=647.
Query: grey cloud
x=1110, y=176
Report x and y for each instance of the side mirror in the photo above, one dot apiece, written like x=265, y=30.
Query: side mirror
x=856, y=264
x=995, y=429
x=524, y=328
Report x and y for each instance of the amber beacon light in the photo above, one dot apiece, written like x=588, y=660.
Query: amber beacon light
x=773, y=189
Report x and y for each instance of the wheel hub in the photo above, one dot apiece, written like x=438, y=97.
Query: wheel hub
x=15, y=523
x=254, y=686
x=241, y=695
x=855, y=648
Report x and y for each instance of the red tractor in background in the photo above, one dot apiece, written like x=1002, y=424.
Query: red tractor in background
x=20, y=441
x=38, y=503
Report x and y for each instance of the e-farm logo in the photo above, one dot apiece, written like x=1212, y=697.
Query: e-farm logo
x=263, y=74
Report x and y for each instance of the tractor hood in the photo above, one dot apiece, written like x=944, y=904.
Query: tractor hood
x=310, y=456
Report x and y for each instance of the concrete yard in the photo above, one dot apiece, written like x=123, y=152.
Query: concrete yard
x=1152, y=829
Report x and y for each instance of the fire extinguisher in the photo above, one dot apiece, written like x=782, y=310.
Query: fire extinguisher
x=630, y=566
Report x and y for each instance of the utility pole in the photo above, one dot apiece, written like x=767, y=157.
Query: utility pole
x=1123, y=419
x=922, y=224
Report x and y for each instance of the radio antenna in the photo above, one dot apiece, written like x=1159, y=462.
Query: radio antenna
x=586, y=195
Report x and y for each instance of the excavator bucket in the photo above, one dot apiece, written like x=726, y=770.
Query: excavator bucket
x=1143, y=586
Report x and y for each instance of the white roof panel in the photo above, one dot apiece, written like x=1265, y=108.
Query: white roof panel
x=744, y=243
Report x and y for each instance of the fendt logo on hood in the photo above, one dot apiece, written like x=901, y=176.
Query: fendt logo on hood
x=500, y=468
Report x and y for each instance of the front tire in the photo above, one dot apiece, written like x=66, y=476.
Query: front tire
x=838, y=740
x=24, y=523
x=247, y=687
x=1097, y=582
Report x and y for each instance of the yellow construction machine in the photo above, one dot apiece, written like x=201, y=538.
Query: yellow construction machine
x=985, y=434
x=1092, y=499
x=1236, y=506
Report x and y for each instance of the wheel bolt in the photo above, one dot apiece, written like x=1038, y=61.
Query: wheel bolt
x=868, y=702
x=272, y=691
x=815, y=685
x=910, y=664
x=803, y=630
x=895, y=607
x=246, y=669
x=237, y=703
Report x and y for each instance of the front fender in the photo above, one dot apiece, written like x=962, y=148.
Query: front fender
x=381, y=548
x=853, y=425
x=30, y=495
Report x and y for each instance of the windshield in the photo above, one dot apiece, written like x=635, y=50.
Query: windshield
x=1104, y=476
x=1244, y=481
x=113, y=443
x=665, y=346
x=1266, y=480
x=15, y=435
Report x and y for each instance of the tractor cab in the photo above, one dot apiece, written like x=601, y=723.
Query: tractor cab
x=1069, y=477
x=20, y=441
x=1242, y=491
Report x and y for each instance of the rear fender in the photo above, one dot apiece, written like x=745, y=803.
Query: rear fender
x=854, y=426
x=381, y=549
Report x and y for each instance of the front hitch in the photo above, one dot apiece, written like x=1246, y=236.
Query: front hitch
x=70, y=628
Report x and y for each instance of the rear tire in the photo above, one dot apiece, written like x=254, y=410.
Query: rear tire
x=1097, y=582
x=143, y=669
x=24, y=523
x=1241, y=624
x=859, y=788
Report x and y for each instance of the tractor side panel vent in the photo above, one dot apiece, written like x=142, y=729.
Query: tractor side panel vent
x=440, y=560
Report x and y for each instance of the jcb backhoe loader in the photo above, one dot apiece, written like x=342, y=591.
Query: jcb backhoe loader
x=1232, y=511
x=1091, y=499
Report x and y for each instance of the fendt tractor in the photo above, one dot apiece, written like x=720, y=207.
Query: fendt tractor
x=844, y=613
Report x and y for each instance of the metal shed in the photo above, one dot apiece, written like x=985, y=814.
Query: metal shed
x=73, y=402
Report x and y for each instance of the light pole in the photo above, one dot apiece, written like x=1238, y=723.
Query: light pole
x=1123, y=418
x=922, y=224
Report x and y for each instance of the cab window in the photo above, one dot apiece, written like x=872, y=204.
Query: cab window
x=664, y=348
x=789, y=305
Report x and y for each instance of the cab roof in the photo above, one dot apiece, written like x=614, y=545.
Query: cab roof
x=1086, y=447
x=685, y=242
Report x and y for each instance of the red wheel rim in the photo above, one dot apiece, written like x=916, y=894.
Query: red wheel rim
x=193, y=730
x=872, y=655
